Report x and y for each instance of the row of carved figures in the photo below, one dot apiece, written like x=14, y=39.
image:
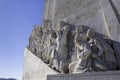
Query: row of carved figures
x=91, y=52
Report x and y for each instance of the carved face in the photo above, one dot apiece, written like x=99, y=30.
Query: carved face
x=79, y=29
x=90, y=33
x=83, y=37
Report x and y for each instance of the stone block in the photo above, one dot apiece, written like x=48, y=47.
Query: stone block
x=110, y=75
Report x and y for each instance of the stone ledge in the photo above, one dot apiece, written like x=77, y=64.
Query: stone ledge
x=107, y=75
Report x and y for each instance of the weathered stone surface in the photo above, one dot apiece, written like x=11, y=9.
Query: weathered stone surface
x=34, y=68
x=93, y=13
x=101, y=15
x=110, y=75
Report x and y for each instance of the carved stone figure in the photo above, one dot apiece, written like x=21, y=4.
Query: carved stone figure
x=102, y=53
x=83, y=50
x=46, y=23
x=34, y=39
x=85, y=61
x=61, y=48
x=46, y=33
x=76, y=51
x=72, y=65
x=52, y=47
x=77, y=40
x=62, y=24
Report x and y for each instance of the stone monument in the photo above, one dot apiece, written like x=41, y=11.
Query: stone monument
x=79, y=39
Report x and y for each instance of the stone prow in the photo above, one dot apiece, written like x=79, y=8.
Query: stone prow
x=35, y=68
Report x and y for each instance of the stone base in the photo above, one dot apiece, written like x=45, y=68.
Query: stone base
x=109, y=75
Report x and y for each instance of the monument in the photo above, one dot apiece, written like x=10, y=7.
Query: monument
x=79, y=39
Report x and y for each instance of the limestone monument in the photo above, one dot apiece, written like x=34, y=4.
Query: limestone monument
x=80, y=38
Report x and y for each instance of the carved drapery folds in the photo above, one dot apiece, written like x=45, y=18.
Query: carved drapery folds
x=73, y=49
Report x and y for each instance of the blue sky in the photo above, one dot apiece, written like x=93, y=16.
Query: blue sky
x=17, y=18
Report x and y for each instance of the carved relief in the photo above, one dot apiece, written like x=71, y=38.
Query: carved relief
x=70, y=50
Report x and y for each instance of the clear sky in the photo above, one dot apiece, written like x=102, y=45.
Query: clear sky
x=17, y=18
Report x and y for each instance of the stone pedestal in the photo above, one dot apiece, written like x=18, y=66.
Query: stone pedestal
x=110, y=75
